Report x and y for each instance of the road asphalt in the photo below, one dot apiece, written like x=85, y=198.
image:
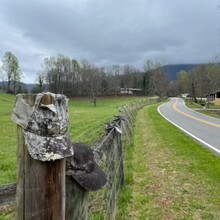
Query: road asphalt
x=204, y=129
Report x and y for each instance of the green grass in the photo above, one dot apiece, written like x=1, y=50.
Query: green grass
x=125, y=194
x=87, y=122
x=167, y=175
x=172, y=176
x=213, y=111
x=86, y=125
x=7, y=140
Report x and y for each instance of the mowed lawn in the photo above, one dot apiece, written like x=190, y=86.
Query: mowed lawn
x=86, y=125
x=168, y=175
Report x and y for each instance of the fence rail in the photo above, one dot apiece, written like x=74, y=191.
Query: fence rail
x=7, y=193
x=108, y=152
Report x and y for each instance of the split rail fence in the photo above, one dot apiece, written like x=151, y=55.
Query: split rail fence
x=109, y=154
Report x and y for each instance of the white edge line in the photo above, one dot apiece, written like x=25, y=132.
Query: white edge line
x=185, y=131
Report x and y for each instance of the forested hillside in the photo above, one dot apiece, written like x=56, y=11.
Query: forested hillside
x=172, y=70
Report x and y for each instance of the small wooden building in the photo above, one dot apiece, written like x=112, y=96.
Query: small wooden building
x=215, y=98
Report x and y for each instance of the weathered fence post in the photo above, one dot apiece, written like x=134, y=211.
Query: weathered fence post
x=42, y=145
x=120, y=160
x=111, y=185
x=83, y=175
x=76, y=200
x=7, y=194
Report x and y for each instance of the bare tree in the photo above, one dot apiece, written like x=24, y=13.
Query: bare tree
x=113, y=78
x=159, y=81
x=92, y=79
x=147, y=77
x=40, y=80
x=192, y=84
x=74, y=78
x=3, y=79
x=57, y=70
x=154, y=80
x=11, y=69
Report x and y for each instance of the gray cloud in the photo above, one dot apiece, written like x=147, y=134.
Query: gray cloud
x=109, y=32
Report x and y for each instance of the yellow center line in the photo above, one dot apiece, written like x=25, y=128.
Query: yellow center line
x=190, y=116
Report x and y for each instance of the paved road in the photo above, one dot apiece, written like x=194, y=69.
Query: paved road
x=203, y=128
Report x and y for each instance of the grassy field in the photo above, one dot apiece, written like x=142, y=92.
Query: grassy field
x=86, y=125
x=7, y=140
x=168, y=176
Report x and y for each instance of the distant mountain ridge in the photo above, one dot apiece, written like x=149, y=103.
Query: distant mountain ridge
x=172, y=70
x=29, y=87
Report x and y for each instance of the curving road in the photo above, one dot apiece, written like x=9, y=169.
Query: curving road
x=203, y=128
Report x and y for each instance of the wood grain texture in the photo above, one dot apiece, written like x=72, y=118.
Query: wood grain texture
x=40, y=186
x=76, y=200
x=40, y=192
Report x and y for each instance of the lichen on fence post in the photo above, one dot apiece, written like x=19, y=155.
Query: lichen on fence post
x=42, y=145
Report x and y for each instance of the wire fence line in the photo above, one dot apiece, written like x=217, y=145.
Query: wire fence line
x=109, y=154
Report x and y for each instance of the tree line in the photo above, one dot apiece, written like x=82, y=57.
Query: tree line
x=61, y=74
x=68, y=76
x=200, y=82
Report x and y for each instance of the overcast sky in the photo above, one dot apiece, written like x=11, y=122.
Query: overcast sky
x=107, y=32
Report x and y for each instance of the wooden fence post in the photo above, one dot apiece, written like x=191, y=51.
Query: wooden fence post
x=120, y=159
x=76, y=200
x=110, y=186
x=40, y=192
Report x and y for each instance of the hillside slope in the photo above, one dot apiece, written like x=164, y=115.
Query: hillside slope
x=172, y=70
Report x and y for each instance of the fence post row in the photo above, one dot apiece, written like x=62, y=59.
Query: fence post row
x=43, y=174
x=111, y=146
